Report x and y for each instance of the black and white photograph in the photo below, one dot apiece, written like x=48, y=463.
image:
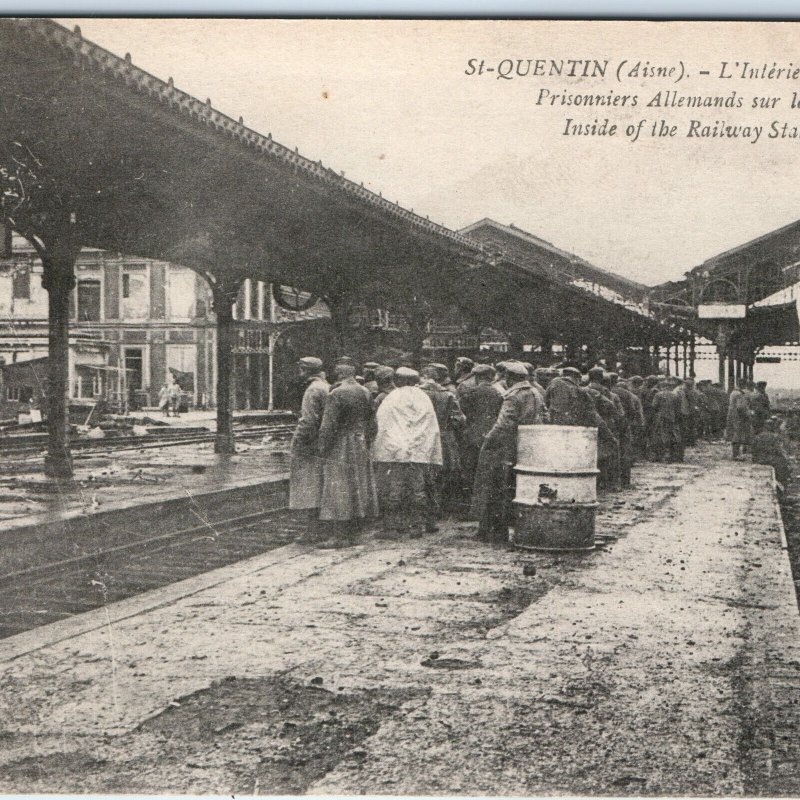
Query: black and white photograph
x=401, y=407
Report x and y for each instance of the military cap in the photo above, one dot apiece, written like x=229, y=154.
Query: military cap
x=501, y=365
x=636, y=380
x=483, y=369
x=384, y=373
x=406, y=372
x=437, y=366
x=761, y=383
x=371, y=365
x=572, y=372
x=464, y=360
x=310, y=362
x=516, y=368
x=345, y=360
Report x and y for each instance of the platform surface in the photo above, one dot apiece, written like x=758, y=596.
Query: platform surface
x=666, y=663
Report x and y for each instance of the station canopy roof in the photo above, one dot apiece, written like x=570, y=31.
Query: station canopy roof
x=151, y=171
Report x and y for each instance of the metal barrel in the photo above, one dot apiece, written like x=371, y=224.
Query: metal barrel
x=556, y=487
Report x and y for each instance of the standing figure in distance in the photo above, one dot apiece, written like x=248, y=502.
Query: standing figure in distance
x=163, y=399
x=175, y=397
x=739, y=429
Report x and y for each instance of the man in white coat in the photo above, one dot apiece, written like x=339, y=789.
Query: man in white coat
x=407, y=453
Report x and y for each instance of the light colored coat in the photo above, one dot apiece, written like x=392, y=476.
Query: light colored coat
x=408, y=431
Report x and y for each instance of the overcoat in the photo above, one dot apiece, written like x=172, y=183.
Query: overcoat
x=569, y=404
x=465, y=383
x=305, y=463
x=739, y=428
x=345, y=435
x=480, y=405
x=666, y=427
x=631, y=418
x=608, y=423
x=760, y=407
x=451, y=420
x=521, y=406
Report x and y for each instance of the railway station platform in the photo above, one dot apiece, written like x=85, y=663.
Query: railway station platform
x=665, y=662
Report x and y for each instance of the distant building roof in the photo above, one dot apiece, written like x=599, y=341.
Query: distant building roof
x=562, y=265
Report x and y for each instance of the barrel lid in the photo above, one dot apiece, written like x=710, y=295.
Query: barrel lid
x=574, y=472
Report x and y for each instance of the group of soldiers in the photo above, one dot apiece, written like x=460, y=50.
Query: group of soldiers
x=408, y=447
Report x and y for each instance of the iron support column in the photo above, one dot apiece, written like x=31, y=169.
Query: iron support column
x=224, y=298
x=691, y=357
x=731, y=372
x=58, y=259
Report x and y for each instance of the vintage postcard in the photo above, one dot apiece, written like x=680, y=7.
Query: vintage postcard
x=399, y=407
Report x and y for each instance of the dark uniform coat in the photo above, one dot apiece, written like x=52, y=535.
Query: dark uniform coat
x=521, y=406
x=569, y=404
x=450, y=419
x=716, y=408
x=480, y=405
x=739, y=429
x=666, y=432
x=305, y=463
x=760, y=407
x=465, y=383
x=632, y=410
x=347, y=429
x=608, y=433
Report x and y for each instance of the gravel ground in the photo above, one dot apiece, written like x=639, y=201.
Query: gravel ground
x=664, y=663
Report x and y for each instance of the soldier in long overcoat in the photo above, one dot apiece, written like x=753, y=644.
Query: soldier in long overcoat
x=349, y=494
x=666, y=433
x=451, y=421
x=609, y=407
x=480, y=405
x=305, y=463
x=739, y=428
x=627, y=423
x=493, y=477
x=760, y=407
x=635, y=385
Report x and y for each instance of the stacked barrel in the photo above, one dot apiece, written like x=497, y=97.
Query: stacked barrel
x=556, y=487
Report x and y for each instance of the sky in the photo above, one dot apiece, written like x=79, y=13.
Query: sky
x=391, y=105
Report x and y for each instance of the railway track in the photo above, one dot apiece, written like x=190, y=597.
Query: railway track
x=49, y=591
x=15, y=452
